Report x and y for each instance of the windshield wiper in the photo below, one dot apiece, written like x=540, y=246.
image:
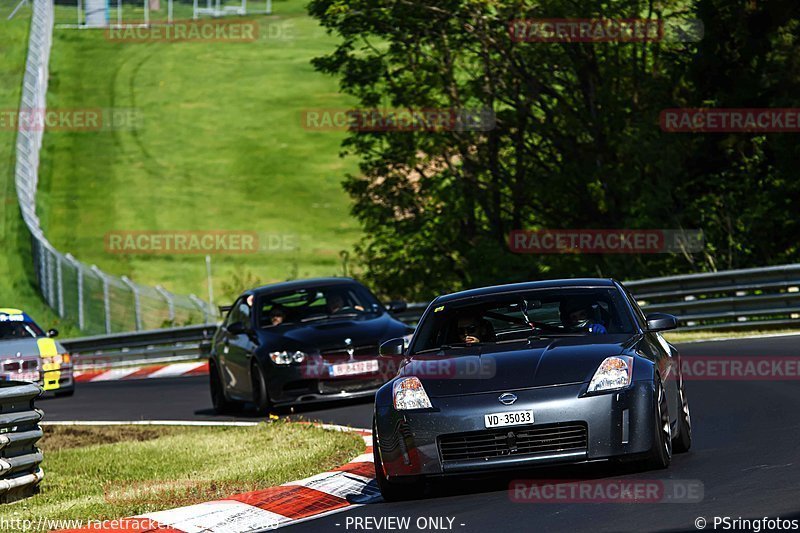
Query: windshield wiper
x=449, y=347
x=323, y=317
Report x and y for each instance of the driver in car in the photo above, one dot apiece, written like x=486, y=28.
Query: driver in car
x=473, y=330
x=336, y=304
x=277, y=316
x=579, y=315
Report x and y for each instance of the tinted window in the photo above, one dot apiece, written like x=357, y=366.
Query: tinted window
x=240, y=312
x=513, y=317
x=316, y=303
x=19, y=330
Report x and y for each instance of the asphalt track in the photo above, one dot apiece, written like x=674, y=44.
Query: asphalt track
x=746, y=454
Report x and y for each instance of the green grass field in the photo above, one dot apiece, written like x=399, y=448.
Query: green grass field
x=16, y=289
x=219, y=146
x=85, y=480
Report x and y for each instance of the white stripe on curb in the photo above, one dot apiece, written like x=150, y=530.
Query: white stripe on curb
x=175, y=370
x=223, y=516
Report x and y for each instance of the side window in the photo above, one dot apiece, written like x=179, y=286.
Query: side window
x=235, y=314
x=244, y=312
x=637, y=311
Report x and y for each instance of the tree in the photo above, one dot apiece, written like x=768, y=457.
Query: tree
x=575, y=144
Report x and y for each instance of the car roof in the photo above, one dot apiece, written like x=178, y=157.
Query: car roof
x=527, y=286
x=300, y=284
x=14, y=311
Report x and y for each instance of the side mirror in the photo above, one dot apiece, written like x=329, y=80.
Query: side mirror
x=235, y=328
x=392, y=348
x=52, y=332
x=396, y=306
x=661, y=322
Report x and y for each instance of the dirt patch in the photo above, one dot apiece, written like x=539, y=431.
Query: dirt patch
x=63, y=437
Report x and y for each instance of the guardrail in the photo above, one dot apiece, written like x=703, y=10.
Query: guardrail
x=20, y=472
x=731, y=299
x=750, y=298
x=146, y=347
x=765, y=297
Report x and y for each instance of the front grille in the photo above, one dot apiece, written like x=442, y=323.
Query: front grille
x=534, y=440
x=370, y=351
x=349, y=385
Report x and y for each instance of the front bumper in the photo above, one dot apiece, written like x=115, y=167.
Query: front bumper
x=51, y=376
x=617, y=424
x=313, y=382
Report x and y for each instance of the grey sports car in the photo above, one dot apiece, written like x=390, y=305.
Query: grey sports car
x=537, y=373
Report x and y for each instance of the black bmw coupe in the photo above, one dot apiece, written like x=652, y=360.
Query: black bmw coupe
x=302, y=341
x=564, y=371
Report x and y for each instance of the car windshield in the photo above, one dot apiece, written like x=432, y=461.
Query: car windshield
x=515, y=317
x=19, y=330
x=317, y=303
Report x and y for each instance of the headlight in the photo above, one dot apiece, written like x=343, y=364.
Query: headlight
x=409, y=394
x=613, y=373
x=287, y=358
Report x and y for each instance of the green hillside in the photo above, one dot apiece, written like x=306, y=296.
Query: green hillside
x=16, y=289
x=219, y=144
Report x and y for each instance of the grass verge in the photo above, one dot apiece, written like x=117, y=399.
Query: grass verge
x=111, y=472
x=689, y=336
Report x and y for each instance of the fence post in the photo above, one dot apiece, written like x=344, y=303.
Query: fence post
x=200, y=305
x=137, y=306
x=79, y=270
x=45, y=286
x=170, y=303
x=106, y=298
x=60, y=284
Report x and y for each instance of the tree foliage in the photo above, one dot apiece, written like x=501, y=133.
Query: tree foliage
x=576, y=141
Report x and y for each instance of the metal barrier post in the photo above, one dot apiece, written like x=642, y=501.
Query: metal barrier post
x=170, y=302
x=79, y=275
x=200, y=305
x=60, y=284
x=106, y=300
x=137, y=306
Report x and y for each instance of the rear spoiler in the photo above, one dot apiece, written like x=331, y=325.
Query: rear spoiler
x=224, y=308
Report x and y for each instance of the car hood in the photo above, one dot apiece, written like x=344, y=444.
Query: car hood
x=362, y=331
x=24, y=347
x=505, y=367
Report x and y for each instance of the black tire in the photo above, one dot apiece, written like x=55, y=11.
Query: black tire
x=218, y=400
x=661, y=453
x=260, y=393
x=392, y=492
x=64, y=393
x=683, y=441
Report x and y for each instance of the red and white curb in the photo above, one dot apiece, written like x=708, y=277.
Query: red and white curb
x=143, y=372
x=345, y=487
